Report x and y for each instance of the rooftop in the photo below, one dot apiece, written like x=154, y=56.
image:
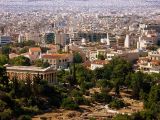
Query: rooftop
x=28, y=68
x=100, y=62
x=55, y=56
x=35, y=49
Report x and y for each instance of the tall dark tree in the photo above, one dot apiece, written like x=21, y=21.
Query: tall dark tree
x=137, y=83
x=3, y=78
x=28, y=88
x=77, y=57
x=15, y=86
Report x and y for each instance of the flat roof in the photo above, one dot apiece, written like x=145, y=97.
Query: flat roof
x=29, y=68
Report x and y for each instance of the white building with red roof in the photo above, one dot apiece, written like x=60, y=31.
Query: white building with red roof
x=98, y=64
x=59, y=61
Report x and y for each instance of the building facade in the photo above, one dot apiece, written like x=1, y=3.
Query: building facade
x=24, y=72
x=5, y=40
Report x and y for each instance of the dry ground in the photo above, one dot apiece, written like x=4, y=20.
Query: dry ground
x=95, y=111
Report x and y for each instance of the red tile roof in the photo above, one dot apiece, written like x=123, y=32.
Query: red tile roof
x=56, y=56
x=100, y=62
x=35, y=49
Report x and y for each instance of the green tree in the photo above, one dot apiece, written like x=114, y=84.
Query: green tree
x=98, y=73
x=136, y=84
x=69, y=104
x=77, y=58
x=28, y=88
x=116, y=103
x=41, y=63
x=69, y=79
x=154, y=97
x=61, y=76
x=3, y=78
x=24, y=117
x=3, y=60
x=102, y=97
x=23, y=50
x=6, y=50
x=104, y=84
x=83, y=74
x=15, y=86
x=20, y=61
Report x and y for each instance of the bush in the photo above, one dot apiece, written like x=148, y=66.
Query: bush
x=69, y=104
x=92, y=118
x=2, y=105
x=24, y=117
x=23, y=50
x=76, y=93
x=30, y=110
x=77, y=58
x=116, y=103
x=81, y=100
x=86, y=85
x=6, y=114
x=20, y=61
x=102, y=97
x=145, y=115
x=41, y=63
x=3, y=59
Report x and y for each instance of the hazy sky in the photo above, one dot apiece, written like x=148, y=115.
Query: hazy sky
x=80, y=3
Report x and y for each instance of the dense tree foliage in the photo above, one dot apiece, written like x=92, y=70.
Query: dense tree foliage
x=116, y=104
x=22, y=99
x=41, y=63
x=23, y=50
x=77, y=58
x=6, y=49
x=3, y=59
x=20, y=61
x=25, y=43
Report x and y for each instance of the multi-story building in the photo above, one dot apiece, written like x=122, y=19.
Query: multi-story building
x=61, y=38
x=92, y=55
x=58, y=61
x=150, y=64
x=5, y=40
x=33, y=54
x=35, y=51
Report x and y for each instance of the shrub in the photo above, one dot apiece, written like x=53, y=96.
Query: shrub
x=116, y=103
x=81, y=100
x=24, y=117
x=31, y=110
x=69, y=104
x=76, y=93
x=2, y=105
x=102, y=97
x=6, y=114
